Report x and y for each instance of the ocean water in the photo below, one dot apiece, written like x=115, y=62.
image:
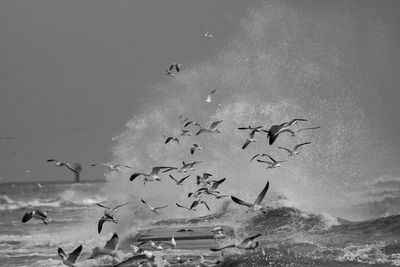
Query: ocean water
x=289, y=236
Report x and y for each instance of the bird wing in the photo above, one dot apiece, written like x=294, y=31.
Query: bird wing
x=218, y=249
x=126, y=166
x=51, y=160
x=200, y=131
x=170, y=169
x=302, y=144
x=27, y=216
x=171, y=67
x=136, y=174
x=155, y=170
x=183, y=179
x=168, y=139
x=173, y=178
x=246, y=144
x=121, y=205
x=213, y=91
x=180, y=206
x=217, y=183
x=70, y=167
x=271, y=158
x=162, y=207
x=252, y=133
x=255, y=156
x=261, y=196
x=148, y=205
x=309, y=128
x=206, y=205
x=100, y=205
x=100, y=224
x=292, y=122
x=192, y=150
x=178, y=67
x=215, y=124
x=73, y=256
x=187, y=123
x=264, y=161
x=287, y=149
x=61, y=253
x=241, y=202
x=113, y=242
x=101, y=164
x=194, y=204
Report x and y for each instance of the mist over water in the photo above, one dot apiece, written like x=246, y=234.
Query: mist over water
x=284, y=62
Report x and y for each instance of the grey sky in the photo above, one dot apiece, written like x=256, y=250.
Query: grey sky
x=74, y=72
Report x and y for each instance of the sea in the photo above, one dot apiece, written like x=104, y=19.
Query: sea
x=289, y=236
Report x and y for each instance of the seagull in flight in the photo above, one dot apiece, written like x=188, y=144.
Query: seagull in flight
x=180, y=181
x=203, y=179
x=61, y=164
x=177, y=67
x=208, y=34
x=111, y=167
x=36, y=214
x=171, y=138
x=276, y=130
x=272, y=164
x=185, y=133
x=194, y=148
x=211, y=129
x=109, y=212
x=110, y=249
x=208, y=100
x=148, y=177
x=192, y=123
x=251, y=138
x=71, y=258
x=246, y=243
x=198, y=202
x=257, y=203
x=294, y=150
x=153, y=209
x=104, y=219
x=185, y=167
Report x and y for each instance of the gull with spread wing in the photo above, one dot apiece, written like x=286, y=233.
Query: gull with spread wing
x=257, y=203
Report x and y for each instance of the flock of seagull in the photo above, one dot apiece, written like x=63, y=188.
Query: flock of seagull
x=207, y=186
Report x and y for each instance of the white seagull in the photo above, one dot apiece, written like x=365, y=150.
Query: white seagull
x=70, y=259
x=251, y=138
x=272, y=164
x=246, y=243
x=179, y=182
x=61, y=164
x=294, y=150
x=148, y=177
x=36, y=214
x=257, y=203
x=211, y=129
x=153, y=209
x=112, y=167
x=109, y=212
x=110, y=249
x=208, y=100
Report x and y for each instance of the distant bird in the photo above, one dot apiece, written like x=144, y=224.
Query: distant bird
x=211, y=129
x=153, y=209
x=111, y=167
x=171, y=138
x=246, y=243
x=258, y=155
x=40, y=185
x=153, y=176
x=61, y=164
x=185, y=133
x=213, y=185
x=183, y=207
x=185, y=167
x=199, y=192
x=71, y=258
x=257, y=203
x=292, y=122
x=203, y=179
x=208, y=34
x=192, y=123
x=294, y=150
x=198, y=202
x=251, y=138
x=36, y=214
x=272, y=164
x=180, y=181
x=103, y=220
x=110, y=249
x=194, y=148
x=177, y=67
x=208, y=100
x=309, y=128
x=109, y=212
